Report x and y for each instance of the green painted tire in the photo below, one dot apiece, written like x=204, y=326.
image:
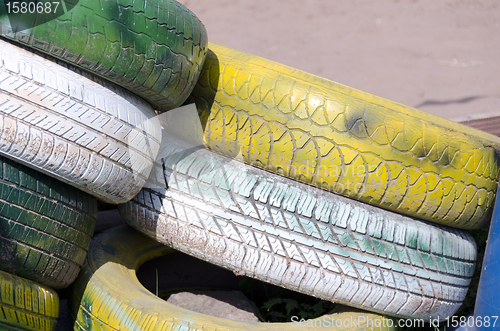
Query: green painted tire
x=300, y=237
x=26, y=305
x=45, y=226
x=153, y=48
x=346, y=141
x=108, y=296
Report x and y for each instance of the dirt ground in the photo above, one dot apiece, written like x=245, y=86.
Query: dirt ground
x=442, y=57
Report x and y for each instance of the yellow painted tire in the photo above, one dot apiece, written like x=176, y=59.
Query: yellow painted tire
x=345, y=140
x=26, y=305
x=108, y=296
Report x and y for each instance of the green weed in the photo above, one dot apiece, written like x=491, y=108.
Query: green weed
x=277, y=304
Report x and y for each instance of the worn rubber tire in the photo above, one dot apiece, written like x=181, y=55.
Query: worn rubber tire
x=346, y=141
x=26, y=305
x=300, y=237
x=153, y=48
x=45, y=225
x=108, y=296
x=77, y=128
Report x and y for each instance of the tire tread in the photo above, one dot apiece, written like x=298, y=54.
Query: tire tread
x=45, y=225
x=25, y=305
x=346, y=141
x=299, y=237
x=82, y=130
x=160, y=60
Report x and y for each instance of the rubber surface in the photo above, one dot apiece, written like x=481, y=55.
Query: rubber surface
x=108, y=296
x=303, y=238
x=153, y=48
x=75, y=127
x=346, y=141
x=26, y=305
x=487, y=301
x=45, y=225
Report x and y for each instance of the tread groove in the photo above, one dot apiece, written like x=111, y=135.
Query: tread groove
x=357, y=239
x=425, y=180
x=74, y=125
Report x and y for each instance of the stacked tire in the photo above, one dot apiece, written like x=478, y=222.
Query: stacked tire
x=296, y=236
x=275, y=174
x=361, y=227
x=70, y=136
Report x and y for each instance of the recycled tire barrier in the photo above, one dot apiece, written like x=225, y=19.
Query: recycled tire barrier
x=305, y=239
x=26, y=305
x=346, y=141
x=153, y=48
x=45, y=225
x=77, y=128
x=108, y=296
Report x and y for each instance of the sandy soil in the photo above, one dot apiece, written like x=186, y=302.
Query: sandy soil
x=439, y=56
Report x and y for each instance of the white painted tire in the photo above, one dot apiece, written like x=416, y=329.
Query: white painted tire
x=75, y=127
x=303, y=238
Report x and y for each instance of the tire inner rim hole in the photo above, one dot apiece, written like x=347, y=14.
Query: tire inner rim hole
x=202, y=287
